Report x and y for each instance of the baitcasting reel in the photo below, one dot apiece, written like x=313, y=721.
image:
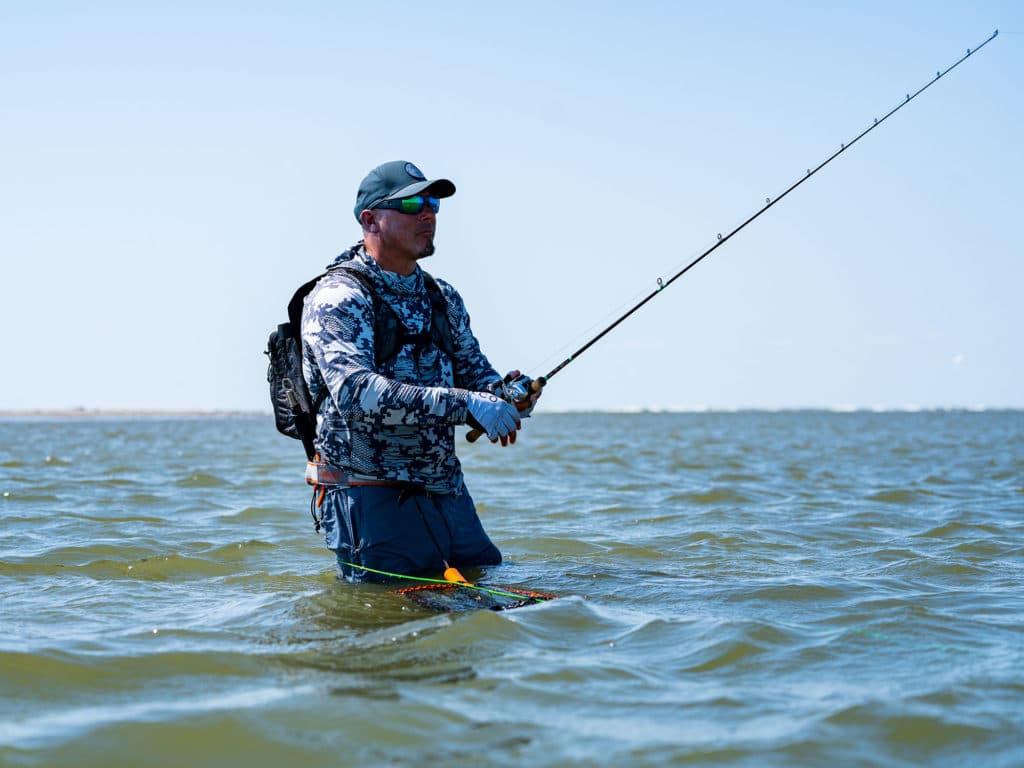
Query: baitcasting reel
x=516, y=389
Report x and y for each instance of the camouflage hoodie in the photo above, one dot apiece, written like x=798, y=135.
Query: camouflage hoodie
x=396, y=422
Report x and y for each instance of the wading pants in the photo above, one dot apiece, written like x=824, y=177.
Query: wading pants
x=388, y=529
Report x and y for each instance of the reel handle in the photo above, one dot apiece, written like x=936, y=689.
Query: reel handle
x=532, y=386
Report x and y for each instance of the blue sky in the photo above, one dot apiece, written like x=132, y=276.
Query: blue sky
x=169, y=173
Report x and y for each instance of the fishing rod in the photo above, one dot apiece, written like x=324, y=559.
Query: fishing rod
x=520, y=389
x=768, y=203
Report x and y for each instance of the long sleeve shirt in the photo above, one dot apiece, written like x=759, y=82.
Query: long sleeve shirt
x=396, y=421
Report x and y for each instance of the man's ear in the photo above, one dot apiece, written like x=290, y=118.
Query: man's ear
x=369, y=221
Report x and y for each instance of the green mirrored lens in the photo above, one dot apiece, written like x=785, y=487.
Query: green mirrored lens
x=412, y=204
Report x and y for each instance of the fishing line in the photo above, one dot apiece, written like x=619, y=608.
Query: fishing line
x=769, y=202
x=585, y=333
x=428, y=583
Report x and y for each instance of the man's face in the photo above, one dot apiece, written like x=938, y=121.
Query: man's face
x=409, y=234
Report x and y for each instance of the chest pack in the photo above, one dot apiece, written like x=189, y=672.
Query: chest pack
x=294, y=408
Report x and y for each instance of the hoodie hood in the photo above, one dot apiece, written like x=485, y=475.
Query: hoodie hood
x=357, y=259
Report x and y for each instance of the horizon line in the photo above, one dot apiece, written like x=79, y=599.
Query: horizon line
x=83, y=412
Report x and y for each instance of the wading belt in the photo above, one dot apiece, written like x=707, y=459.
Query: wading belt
x=320, y=475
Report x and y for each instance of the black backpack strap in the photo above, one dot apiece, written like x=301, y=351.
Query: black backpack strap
x=440, y=328
x=295, y=305
x=388, y=332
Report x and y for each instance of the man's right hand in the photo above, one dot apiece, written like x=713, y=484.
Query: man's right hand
x=498, y=418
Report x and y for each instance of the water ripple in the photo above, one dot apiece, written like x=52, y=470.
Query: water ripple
x=735, y=589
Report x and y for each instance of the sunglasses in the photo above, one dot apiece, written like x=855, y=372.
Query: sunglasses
x=412, y=204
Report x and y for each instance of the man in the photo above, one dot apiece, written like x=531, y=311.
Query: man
x=389, y=354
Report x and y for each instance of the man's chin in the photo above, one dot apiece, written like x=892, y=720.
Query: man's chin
x=428, y=250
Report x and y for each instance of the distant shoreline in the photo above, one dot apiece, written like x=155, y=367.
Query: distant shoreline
x=155, y=413
x=124, y=413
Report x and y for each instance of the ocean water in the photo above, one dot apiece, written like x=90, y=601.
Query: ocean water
x=735, y=589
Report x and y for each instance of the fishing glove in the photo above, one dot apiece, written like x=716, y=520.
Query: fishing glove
x=492, y=415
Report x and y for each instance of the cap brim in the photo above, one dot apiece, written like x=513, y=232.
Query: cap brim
x=437, y=187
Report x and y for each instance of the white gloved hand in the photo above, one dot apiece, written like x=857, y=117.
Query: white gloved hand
x=493, y=415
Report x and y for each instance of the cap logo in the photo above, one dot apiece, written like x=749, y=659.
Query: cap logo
x=415, y=172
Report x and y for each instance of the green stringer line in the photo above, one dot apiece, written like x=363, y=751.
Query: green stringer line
x=488, y=590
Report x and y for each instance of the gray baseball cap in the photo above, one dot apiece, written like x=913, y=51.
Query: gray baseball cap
x=395, y=180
